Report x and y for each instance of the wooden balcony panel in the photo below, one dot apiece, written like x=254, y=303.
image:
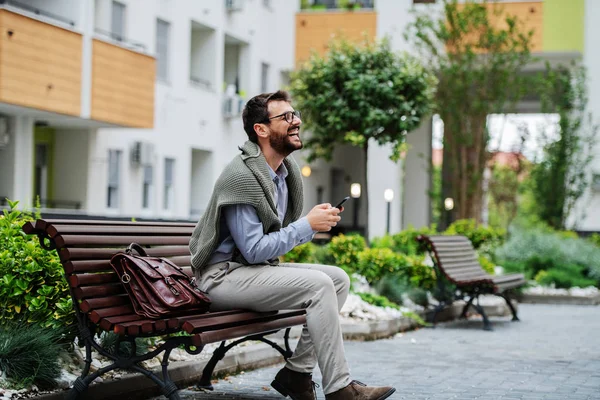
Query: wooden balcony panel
x=122, y=86
x=314, y=30
x=40, y=65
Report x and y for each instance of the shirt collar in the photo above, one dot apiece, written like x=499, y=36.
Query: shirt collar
x=282, y=172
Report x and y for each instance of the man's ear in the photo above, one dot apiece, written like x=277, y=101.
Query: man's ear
x=261, y=130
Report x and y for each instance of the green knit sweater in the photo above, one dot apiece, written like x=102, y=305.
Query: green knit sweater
x=245, y=180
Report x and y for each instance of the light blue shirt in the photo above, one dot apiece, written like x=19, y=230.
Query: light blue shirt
x=240, y=225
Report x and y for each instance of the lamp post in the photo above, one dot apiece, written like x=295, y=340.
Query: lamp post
x=355, y=191
x=388, y=195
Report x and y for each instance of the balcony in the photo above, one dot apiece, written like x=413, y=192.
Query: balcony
x=40, y=64
x=349, y=5
x=122, y=85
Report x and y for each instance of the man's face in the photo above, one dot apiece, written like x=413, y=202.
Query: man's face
x=284, y=136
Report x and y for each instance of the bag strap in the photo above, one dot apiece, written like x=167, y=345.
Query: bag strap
x=139, y=249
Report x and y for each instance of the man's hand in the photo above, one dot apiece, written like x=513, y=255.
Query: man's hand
x=323, y=217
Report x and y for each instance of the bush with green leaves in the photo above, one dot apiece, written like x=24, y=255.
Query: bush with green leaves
x=32, y=285
x=304, y=253
x=344, y=249
x=373, y=264
x=565, y=277
x=595, y=239
x=377, y=300
x=405, y=242
x=533, y=250
x=29, y=355
x=478, y=234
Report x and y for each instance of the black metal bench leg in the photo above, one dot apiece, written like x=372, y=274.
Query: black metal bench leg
x=510, y=305
x=436, y=311
x=487, y=326
x=463, y=314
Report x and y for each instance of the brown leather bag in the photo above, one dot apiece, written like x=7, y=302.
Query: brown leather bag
x=156, y=286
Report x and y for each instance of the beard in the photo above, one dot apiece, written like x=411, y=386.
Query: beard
x=283, y=144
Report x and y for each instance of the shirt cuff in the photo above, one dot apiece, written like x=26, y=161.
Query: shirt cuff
x=303, y=227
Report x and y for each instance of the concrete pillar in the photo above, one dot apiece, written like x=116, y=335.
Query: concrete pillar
x=23, y=161
x=383, y=174
x=417, y=177
x=86, y=17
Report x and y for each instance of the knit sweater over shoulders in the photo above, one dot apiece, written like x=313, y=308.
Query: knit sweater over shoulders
x=245, y=180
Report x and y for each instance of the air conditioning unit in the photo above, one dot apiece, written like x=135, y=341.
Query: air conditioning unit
x=4, y=132
x=234, y=5
x=142, y=153
x=596, y=183
x=232, y=106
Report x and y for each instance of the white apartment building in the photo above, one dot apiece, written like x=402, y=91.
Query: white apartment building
x=131, y=108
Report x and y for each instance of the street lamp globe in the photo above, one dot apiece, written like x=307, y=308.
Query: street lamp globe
x=355, y=190
x=388, y=195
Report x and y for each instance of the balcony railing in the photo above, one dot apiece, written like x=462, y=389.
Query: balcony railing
x=337, y=4
x=37, y=11
x=120, y=39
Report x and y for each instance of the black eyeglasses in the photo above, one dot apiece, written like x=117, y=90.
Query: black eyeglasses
x=288, y=116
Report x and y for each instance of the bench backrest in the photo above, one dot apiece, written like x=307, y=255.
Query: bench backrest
x=456, y=258
x=86, y=247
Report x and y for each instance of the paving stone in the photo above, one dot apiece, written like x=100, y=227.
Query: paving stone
x=552, y=354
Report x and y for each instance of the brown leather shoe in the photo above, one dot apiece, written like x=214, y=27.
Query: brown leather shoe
x=359, y=391
x=297, y=385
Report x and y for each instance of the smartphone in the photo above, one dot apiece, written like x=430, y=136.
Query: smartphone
x=342, y=202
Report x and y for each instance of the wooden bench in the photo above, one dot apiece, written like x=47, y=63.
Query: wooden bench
x=457, y=266
x=101, y=303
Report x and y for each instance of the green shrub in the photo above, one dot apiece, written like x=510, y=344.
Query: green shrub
x=418, y=296
x=420, y=275
x=534, y=250
x=405, y=242
x=393, y=287
x=478, y=234
x=379, y=301
x=32, y=285
x=29, y=355
x=487, y=264
x=108, y=340
x=565, y=278
x=323, y=256
x=344, y=249
x=301, y=254
x=595, y=239
x=374, y=264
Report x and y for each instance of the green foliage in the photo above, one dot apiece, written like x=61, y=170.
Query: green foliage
x=484, y=238
x=562, y=176
x=323, y=256
x=503, y=190
x=534, y=250
x=33, y=288
x=595, y=239
x=358, y=92
x=393, y=287
x=419, y=296
x=305, y=253
x=478, y=63
x=487, y=264
x=566, y=277
x=109, y=340
x=345, y=249
x=405, y=242
x=373, y=264
x=29, y=355
x=379, y=301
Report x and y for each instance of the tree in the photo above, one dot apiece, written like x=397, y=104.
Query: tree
x=562, y=176
x=360, y=93
x=477, y=52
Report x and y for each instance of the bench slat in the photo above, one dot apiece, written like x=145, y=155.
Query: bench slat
x=229, y=321
x=83, y=266
x=242, y=331
x=43, y=223
x=103, y=302
x=99, y=240
x=68, y=254
x=124, y=230
x=92, y=279
x=87, y=292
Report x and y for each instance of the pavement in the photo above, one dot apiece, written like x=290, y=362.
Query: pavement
x=553, y=353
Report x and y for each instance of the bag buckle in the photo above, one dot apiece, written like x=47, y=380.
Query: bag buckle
x=171, y=287
x=126, y=278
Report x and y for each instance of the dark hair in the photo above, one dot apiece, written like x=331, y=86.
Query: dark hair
x=256, y=111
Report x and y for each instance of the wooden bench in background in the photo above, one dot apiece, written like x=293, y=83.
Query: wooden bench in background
x=457, y=264
x=101, y=303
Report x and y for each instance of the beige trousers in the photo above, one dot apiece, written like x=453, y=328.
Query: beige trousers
x=321, y=289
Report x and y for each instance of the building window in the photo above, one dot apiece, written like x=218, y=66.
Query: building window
x=117, y=23
x=147, y=186
x=169, y=192
x=114, y=172
x=162, y=49
x=264, y=77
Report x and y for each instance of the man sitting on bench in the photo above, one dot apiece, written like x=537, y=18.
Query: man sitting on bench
x=253, y=217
